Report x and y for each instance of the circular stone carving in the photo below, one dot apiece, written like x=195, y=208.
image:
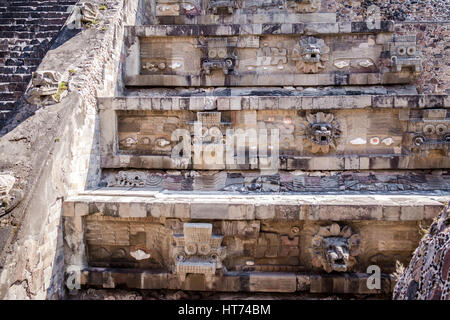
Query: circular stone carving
x=419, y=140
x=180, y=257
x=429, y=129
x=204, y=248
x=190, y=248
x=214, y=257
x=441, y=129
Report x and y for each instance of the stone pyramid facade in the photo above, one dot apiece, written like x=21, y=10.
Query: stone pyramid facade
x=238, y=146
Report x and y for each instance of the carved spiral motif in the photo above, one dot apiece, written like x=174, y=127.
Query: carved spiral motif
x=154, y=180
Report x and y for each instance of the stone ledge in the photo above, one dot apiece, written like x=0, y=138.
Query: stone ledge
x=351, y=283
x=306, y=102
x=243, y=18
x=249, y=207
x=257, y=29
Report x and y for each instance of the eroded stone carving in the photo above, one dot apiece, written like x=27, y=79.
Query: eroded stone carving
x=89, y=12
x=46, y=88
x=211, y=127
x=432, y=136
x=322, y=132
x=334, y=248
x=305, y=5
x=310, y=55
x=405, y=54
x=222, y=6
x=198, y=251
x=134, y=178
x=217, y=53
x=9, y=196
x=167, y=8
x=268, y=56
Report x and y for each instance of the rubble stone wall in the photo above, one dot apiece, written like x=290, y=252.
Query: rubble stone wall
x=54, y=153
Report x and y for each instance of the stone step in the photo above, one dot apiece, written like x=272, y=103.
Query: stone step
x=350, y=283
x=141, y=203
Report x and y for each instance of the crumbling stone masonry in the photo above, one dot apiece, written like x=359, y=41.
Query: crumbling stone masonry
x=227, y=146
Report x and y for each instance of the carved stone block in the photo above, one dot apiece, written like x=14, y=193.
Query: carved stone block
x=46, y=88
x=405, y=54
x=89, y=12
x=335, y=248
x=197, y=250
x=322, y=131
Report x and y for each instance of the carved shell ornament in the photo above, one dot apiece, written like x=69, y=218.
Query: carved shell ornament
x=322, y=132
x=334, y=248
x=310, y=54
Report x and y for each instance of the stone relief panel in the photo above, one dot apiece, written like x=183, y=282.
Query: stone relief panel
x=282, y=243
x=252, y=139
x=115, y=242
x=268, y=60
x=193, y=8
x=149, y=134
x=334, y=248
x=284, y=181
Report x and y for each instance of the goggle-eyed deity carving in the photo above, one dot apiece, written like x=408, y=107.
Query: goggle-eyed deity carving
x=335, y=248
x=310, y=54
x=405, y=54
x=198, y=251
x=433, y=136
x=217, y=54
x=322, y=132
